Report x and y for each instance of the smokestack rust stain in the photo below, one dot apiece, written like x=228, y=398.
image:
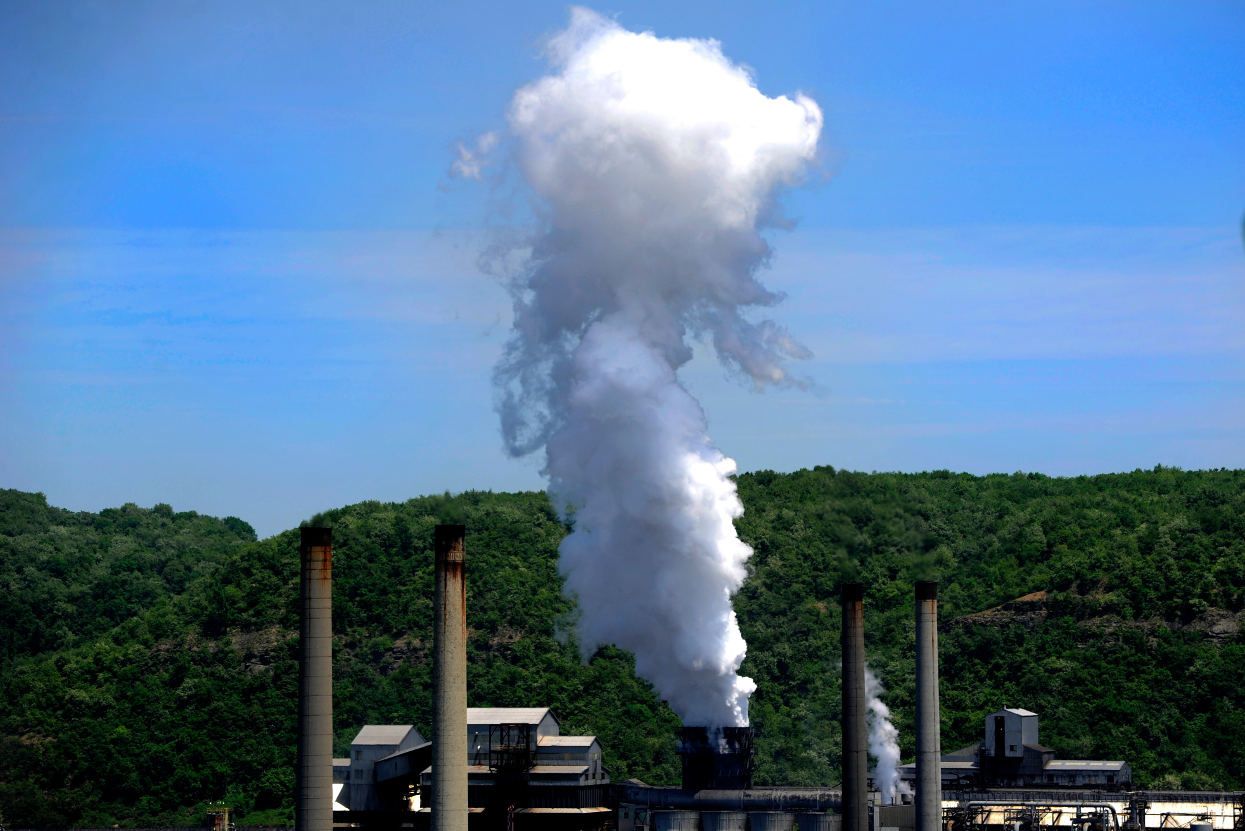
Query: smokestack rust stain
x=449, y=545
x=452, y=576
x=314, y=536
x=316, y=550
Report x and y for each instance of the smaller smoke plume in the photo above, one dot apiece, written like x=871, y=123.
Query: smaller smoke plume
x=471, y=160
x=883, y=743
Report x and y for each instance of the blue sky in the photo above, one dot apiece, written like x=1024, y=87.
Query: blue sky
x=236, y=277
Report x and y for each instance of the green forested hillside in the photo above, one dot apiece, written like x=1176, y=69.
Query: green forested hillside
x=150, y=664
x=66, y=577
x=1122, y=664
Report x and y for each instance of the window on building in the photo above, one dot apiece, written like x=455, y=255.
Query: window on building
x=1110, y=779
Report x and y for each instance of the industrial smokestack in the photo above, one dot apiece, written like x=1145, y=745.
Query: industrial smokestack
x=716, y=758
x=449, y=634
x=928, y=742
x=855, y=754
x=313, y=807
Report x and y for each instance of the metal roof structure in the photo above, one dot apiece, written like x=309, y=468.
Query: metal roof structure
x=558, y=770
x=536, y=770
x=413, y=750
x=428, y=810
x=383, y=734
x=508, y=715
x=566, y=741
x=1082, y=764
x=1019, y=711
x=598, y=810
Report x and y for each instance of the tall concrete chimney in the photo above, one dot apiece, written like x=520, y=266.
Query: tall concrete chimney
x=855, y=741
x=313, y=805
x=449, y=673
x=928, y=742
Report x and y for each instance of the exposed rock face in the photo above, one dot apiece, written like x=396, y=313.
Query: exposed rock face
x=1218, y=624
x=1031, y=610
x=406, y=650
x=1028, y=611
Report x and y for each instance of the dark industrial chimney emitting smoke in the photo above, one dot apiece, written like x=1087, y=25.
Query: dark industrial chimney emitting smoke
x=855, y=742
x=313, y=805
x=928, y=743
x=717, y=758
x=449, y=675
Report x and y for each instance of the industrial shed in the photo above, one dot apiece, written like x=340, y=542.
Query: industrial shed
x=1010, y=756
x=518, y=762
x=378, y=755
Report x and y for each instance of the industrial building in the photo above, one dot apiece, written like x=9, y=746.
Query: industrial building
x=515, y=770
x=717, y=794
x=376, y=775
x=518, y=763
x=1010, y=756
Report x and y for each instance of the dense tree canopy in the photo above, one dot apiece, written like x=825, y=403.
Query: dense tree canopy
x=149, y=656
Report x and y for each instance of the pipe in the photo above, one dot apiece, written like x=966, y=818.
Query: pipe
x=855, y=742
x=751, y=799
x=928, y=741
x=313, y=806
x=1002, y=803
x=449, y=635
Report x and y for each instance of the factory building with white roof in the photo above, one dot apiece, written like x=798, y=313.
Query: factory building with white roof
x=1010, y=756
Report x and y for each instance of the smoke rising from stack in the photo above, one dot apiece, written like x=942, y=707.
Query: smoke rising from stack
x=883, y=743
x=655, y=164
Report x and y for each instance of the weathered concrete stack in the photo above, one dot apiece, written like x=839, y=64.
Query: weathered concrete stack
x=855, y=735
x=449, y=671
x=928, y=743
x=313, y=805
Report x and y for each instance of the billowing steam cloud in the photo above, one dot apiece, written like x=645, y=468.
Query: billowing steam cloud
x=655, y=162
x=883, y=743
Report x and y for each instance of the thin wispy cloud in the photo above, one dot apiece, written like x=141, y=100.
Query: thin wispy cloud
x=473, y=158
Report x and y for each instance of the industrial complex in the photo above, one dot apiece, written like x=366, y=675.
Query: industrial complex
x=516, y=758
x=512, y=768
x=1010, y=756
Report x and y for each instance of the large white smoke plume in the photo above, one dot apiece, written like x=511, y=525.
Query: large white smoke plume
x=883, y=743
x=654, y=163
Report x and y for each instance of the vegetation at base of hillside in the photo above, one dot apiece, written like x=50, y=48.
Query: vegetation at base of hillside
x=185, y=692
